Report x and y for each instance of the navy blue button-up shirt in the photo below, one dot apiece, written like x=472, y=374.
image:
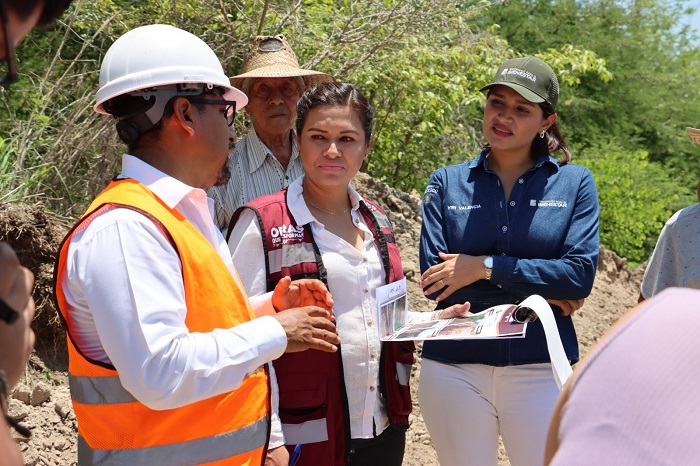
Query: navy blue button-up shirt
x=544, y=240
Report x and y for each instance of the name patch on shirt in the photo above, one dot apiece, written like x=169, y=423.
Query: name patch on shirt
x=463, y=207
x=547, y=203
x=284, y=233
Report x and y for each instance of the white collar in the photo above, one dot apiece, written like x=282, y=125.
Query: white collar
x=170, y=190
x=297, y=205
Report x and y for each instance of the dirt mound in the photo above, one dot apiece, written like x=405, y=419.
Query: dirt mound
x=35, y=235
x=42, y=399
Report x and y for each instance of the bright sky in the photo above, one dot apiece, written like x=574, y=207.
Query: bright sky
x=695, y=19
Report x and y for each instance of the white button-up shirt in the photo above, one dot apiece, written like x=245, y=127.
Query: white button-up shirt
x=126, y=296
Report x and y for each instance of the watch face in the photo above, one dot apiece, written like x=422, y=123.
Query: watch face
x=488, y=262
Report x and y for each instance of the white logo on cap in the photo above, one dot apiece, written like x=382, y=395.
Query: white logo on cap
x=519, y=72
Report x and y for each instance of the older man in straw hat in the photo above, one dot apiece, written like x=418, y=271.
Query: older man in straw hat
x=676, y=257
x=266, y=160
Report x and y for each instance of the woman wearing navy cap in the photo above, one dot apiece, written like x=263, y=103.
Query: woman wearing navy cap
x=511, y=223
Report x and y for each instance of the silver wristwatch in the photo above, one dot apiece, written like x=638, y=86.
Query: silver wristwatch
x=488, y=264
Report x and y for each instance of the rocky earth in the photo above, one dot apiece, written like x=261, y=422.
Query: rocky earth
x=42, y=399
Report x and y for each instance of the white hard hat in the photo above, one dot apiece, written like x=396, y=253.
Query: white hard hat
x=163, y=61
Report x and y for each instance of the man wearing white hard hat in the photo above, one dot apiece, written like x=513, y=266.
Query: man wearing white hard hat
x=266, y=159
x=167, y=362
x=675, y=261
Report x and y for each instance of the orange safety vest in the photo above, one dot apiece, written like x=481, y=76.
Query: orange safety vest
x=116, y=429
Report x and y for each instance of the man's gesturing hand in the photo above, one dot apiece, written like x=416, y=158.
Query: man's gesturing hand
x=308, y=327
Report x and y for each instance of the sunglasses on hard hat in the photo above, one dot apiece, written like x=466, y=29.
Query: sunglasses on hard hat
x=230, y=107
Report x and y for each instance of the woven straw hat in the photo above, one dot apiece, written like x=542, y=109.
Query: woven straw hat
x=272, y=57
x=694, y=134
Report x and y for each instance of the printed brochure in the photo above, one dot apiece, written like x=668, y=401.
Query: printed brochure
x=504, y=321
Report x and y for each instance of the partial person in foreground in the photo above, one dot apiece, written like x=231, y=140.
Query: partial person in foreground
x=511, y=223
x=676, y=257
x=633, y=400
x=267, y=158
x=16, y=341
x=19, y=17
x=167, y=362
x=351, y=407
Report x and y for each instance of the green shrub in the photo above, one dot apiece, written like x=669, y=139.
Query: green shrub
x=636, y=198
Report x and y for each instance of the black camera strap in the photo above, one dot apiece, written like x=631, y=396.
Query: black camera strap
x=7, y=314
x=4, y=405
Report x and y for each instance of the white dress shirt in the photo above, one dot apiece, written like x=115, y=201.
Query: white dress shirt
x=353, y=277
x=255, y=172
x=125, y=293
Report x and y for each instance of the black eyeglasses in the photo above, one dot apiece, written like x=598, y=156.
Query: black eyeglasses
x=11, y=75
x=230, y=107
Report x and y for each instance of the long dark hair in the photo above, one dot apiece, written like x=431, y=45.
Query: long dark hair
x=552, y=141
x=335, y=94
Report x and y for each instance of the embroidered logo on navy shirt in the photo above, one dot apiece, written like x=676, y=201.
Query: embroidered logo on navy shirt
x=547, y=203
x=429, y=190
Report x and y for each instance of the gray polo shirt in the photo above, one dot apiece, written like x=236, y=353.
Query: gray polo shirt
x=676, y=257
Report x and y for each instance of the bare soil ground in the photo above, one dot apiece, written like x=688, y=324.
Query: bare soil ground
x=42, y=399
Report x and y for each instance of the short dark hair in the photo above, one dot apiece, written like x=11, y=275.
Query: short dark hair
x=52, y=10
x=335, y=94
x=128, y=106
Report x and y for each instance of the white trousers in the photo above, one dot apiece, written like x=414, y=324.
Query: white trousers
x=466, y=406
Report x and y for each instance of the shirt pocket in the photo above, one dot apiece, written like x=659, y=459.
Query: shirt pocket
x=303, y=407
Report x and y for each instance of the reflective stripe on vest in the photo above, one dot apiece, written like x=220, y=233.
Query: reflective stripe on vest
x=289, y=255
x=382, y=219
x=197, y=451
x=312, y=431
x=98, y=390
